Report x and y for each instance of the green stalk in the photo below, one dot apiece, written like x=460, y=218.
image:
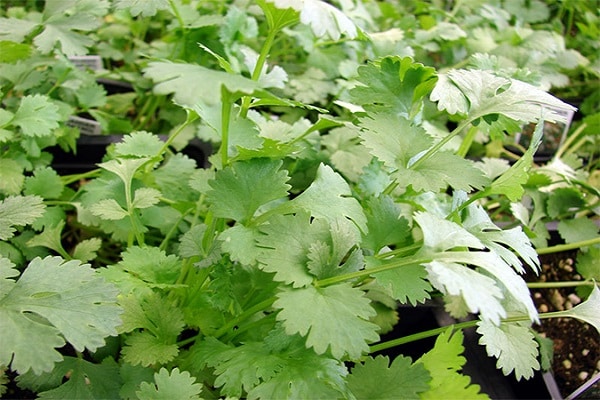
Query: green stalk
x=260, y=63
x=434, y=149
x=263, y=305
x=461, y=325
x=569, y=246
x=366, y=272
x=225, y=119
x=467, y=141
x=553, y=285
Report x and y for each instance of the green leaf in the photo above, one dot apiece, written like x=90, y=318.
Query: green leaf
x=319, y=313
x=142, y=268
x=394, y=84
x=241, y=188
x=109, y=209
x=173, y=385
x=398, y=143
x=511, y=182
x=323, y=18
x=375, y=378
x=588, y=263
x=286, y=240
x=139, y=144
x=231, y=365
x=444, y=362
x=82, y=380
x=406, y=284
x=192, y=84
x=513, y=345
x=241, y=244
x=37, y=116
x=156, y=323
x=54, y=300
x=11, y=176
x=564, y=200
x=385, y=223
x=11, y=52
x=577, y=230
x=18, y=211
x=45, y=182
x=147, y=8
x=173, y=178
x=329, y=197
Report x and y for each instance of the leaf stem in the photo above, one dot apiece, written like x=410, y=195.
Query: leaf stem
x=263, y=305
x=552, y=285
x=258, y=68
x=435, y=148
x=461, y=325
x=225, y=120
x=366, y=272
x=568, y=246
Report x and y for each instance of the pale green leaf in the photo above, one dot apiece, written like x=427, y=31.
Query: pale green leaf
x=109, y=209
x=241, y=244
x=147, y=8
x=588, y=263
x=408, y=284
x=479, y=93
x=18, y=211
x=318, y=314
x=506, y=276
x=139, y=144
x=51, y=238
x=66, y=301
x=11, y=176
x=15, y=30
x=124, y=168
x=45, y=182
x=578, y=229
x=86, y=249
x=479, y=292
x=588, y=310
x=37, y=116
x=174, y=385
x=145, y=197
x=323, y=18
x=514, y=346
x=376, y=378
x=192, y=84
x=441, y=234
x=501, y=241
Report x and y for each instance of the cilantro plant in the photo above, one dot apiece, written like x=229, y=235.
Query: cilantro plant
x=339, y=188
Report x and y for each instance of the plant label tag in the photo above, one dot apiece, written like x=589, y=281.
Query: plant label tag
x=87, y=62
x=86, y=126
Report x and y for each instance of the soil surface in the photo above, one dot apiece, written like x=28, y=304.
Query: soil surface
x=576, y=344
